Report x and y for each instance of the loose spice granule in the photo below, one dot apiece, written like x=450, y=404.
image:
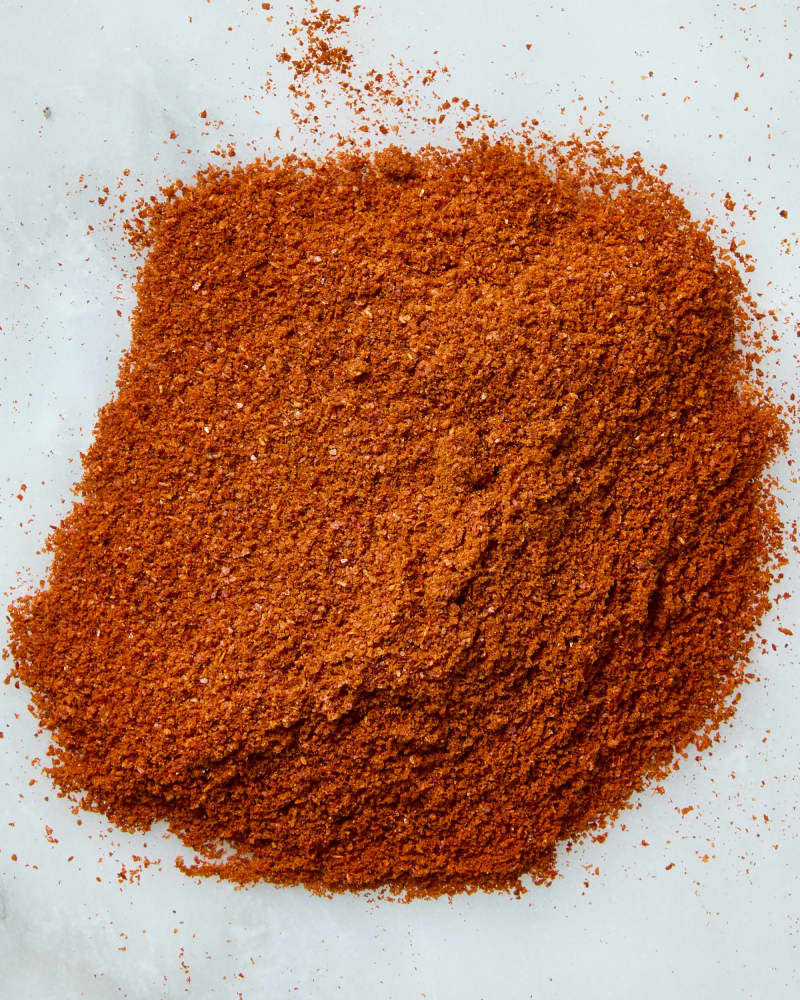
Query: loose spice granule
x=428, y=521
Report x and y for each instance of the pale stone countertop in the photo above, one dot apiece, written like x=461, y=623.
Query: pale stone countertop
x=117, y=78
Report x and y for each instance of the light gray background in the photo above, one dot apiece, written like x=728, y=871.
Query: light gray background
x=118, y=77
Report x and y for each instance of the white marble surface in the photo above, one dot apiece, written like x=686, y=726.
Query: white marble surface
x=118, y=77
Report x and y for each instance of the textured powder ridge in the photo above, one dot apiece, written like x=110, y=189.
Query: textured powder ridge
x=428, y=522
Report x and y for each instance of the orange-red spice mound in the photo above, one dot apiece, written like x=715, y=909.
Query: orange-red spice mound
x=427, y=523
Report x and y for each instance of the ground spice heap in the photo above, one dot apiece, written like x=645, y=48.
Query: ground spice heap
x=428, y=522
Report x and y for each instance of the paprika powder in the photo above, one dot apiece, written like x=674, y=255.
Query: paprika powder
x=428, y=523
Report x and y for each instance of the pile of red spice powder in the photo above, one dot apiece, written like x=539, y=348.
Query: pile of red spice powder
x=428, y=523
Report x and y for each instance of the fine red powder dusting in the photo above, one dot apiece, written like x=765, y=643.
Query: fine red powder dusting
x=327, y=89
x=429, y=520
